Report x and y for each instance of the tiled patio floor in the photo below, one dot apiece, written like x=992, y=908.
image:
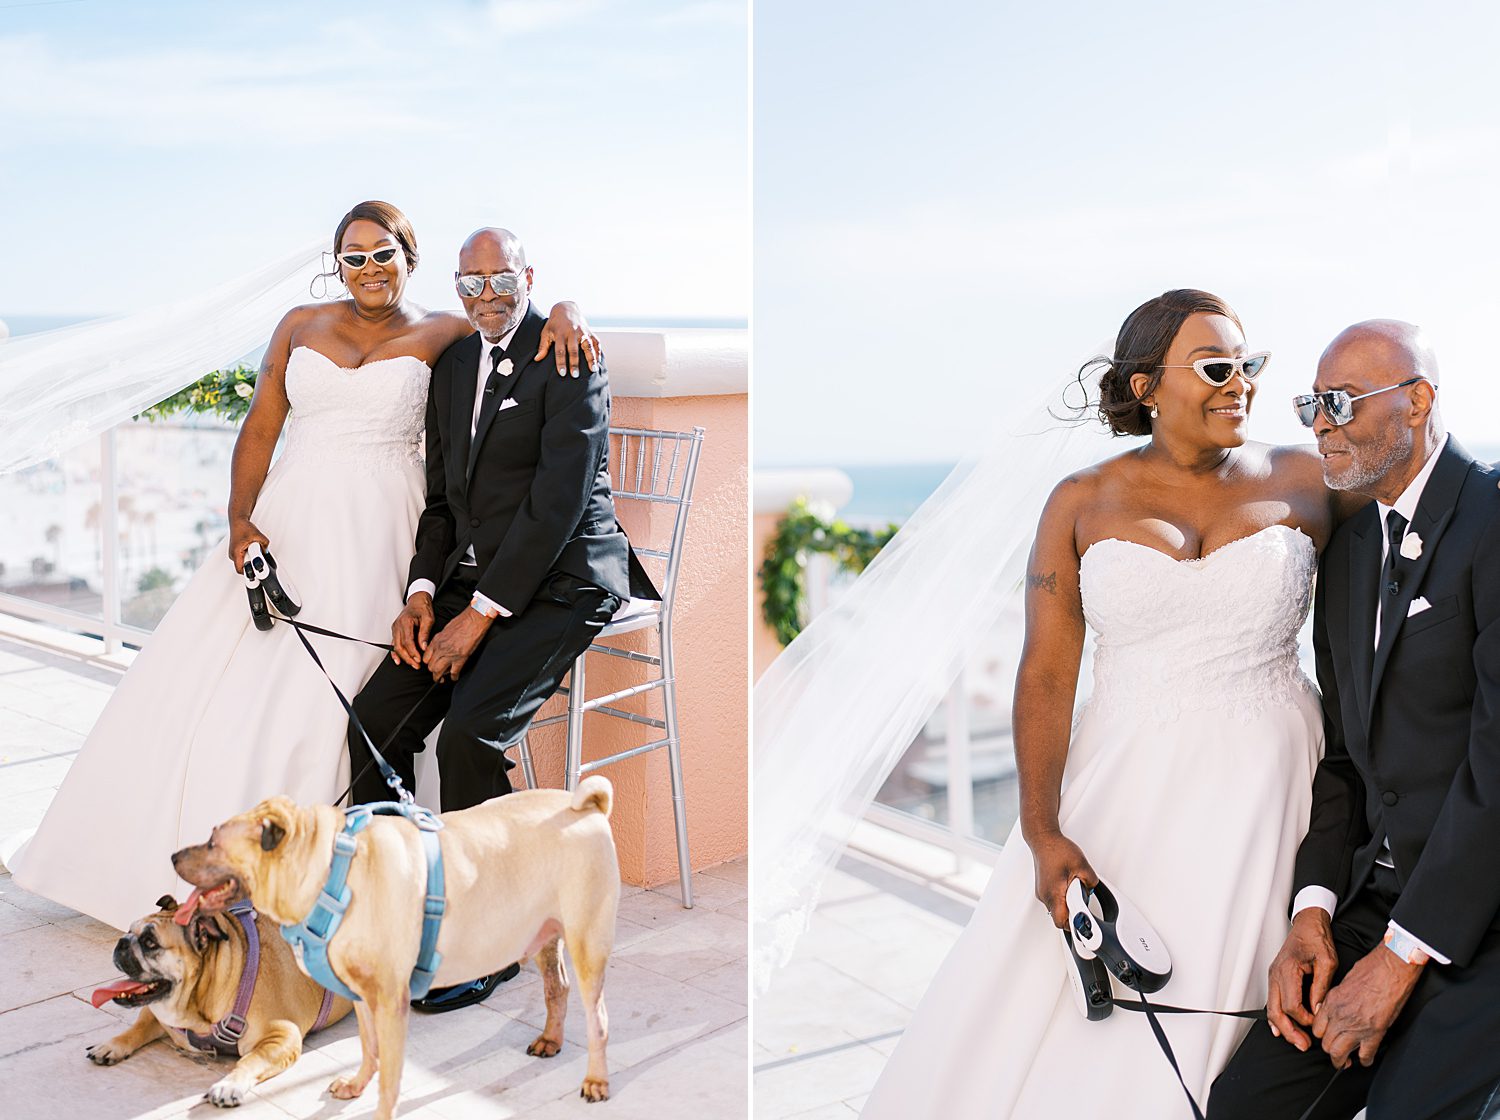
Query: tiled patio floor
x=833, y=1015
x=676, y=988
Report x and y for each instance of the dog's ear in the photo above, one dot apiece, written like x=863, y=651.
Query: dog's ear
x=271, y=834
x=166, y=902
x=206, y=931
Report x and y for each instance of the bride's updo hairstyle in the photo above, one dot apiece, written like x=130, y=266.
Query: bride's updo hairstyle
x=387, y=217
x=1141, y=347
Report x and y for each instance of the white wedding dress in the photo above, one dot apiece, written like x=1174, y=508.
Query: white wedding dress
x=216, y=715
x=1188, y=786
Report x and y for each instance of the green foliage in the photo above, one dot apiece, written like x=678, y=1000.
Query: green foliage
x=783, y=574
x=153, y=579
x=224, y=393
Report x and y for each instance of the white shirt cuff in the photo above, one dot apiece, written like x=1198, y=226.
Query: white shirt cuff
x=485, y=605
x=1321, y=897
x=422, y=585
x=1420, y=944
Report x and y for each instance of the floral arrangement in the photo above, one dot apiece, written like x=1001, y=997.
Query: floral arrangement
x=783, y=574
x=224, y=393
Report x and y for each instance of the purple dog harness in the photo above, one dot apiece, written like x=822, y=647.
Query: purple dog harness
x=226, y=1033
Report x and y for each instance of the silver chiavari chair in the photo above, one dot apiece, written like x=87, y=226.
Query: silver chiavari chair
x=654, y=468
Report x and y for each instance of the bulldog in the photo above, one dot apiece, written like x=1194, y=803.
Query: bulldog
x=523, y=873
x=186, y=979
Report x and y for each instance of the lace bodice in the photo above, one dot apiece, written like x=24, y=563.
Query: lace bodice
x=1217, y=633
x=371, y=416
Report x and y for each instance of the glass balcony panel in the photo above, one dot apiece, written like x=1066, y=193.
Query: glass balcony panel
x=51, y=544
x=172, y=495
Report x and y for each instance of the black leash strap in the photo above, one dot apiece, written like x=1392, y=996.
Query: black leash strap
x=1152, y=1010
x=392, y=779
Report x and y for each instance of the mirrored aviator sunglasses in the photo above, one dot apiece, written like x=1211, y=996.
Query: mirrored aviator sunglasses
x=504, y=283
x=380, y=256
x=1337, y=404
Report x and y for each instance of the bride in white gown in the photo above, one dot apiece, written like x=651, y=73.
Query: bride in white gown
x=216, y=715
x=1186, y=778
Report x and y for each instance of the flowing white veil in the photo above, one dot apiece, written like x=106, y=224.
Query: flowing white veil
x=60, y=387
x=836, y=711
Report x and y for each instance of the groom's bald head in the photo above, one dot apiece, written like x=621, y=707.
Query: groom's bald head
x=493, y=240
x=1394, y=430
x=1381, y=348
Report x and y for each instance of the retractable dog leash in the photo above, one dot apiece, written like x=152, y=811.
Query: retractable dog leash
x=265, y=587
x=309, y=938
x=1108, y=937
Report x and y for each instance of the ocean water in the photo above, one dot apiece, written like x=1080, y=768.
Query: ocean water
x=893, y=493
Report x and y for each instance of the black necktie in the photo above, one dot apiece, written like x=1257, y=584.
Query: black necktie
x=1390, y=581
x=497, y=355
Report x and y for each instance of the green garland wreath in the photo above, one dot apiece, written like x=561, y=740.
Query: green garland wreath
x=224, y=393
x=783, y=574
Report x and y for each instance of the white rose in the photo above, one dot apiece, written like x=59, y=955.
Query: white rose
x=1411, y=546
x=245, y=389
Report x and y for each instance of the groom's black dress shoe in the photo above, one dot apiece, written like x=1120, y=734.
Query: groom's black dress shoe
x=464, y=995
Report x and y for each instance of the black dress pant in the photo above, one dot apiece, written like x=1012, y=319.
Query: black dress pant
x=1439, y=1061
x=517, y=666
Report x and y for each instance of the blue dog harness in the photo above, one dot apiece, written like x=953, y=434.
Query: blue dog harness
x=309, y=938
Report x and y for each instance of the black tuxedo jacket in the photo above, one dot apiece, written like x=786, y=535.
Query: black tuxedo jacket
x=531, y=490
x=1413, y=726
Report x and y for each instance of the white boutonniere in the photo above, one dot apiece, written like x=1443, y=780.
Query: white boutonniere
x=1411, y=546
x=505, y=366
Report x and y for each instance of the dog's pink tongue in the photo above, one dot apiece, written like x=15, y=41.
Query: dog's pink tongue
x=184, y=913
x=119, y=988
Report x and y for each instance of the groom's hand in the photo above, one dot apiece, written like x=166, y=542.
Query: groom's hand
x=1357, y=1013
x=448, y=652
x=1307, y=951
x=410, y=631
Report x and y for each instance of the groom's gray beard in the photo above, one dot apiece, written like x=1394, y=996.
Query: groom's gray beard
x=1363, y=477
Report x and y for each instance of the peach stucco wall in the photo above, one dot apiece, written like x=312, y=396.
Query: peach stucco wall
x=712, y=644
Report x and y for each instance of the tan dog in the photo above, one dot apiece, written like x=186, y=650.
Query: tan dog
x=523, y=873
x=185, y=978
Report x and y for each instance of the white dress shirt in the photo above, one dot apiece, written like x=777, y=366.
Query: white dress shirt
x=1406, y=506
x=481, y=603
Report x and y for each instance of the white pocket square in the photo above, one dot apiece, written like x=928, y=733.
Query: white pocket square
x=508, y=402
x=1418, y=605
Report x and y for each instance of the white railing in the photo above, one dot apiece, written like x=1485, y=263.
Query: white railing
x=107, y=626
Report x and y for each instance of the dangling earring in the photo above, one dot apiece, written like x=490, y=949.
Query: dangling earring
x=1155, y=412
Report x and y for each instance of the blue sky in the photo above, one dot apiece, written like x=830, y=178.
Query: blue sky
x=147, y=148
x=957, y=203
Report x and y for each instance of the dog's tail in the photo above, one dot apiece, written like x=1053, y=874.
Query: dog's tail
x=594, y=792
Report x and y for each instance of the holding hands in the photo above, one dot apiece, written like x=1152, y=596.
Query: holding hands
x=1351, y=1018
x=445, y=655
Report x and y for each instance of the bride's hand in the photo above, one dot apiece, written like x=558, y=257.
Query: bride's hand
x=1058, y=862
x=567, y=327
x=242, y=534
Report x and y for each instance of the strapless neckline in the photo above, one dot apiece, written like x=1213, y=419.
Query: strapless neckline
x=1191, y=560
x=366, y=365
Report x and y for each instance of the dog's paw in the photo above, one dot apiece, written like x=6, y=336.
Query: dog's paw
x=225, y=1094
x=107, y=1053
x=595, y=1089
x=345, y=1088
x=544, y=1047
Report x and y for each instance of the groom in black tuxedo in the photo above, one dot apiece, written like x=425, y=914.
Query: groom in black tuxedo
x=519, y=559
x=1391, y=972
